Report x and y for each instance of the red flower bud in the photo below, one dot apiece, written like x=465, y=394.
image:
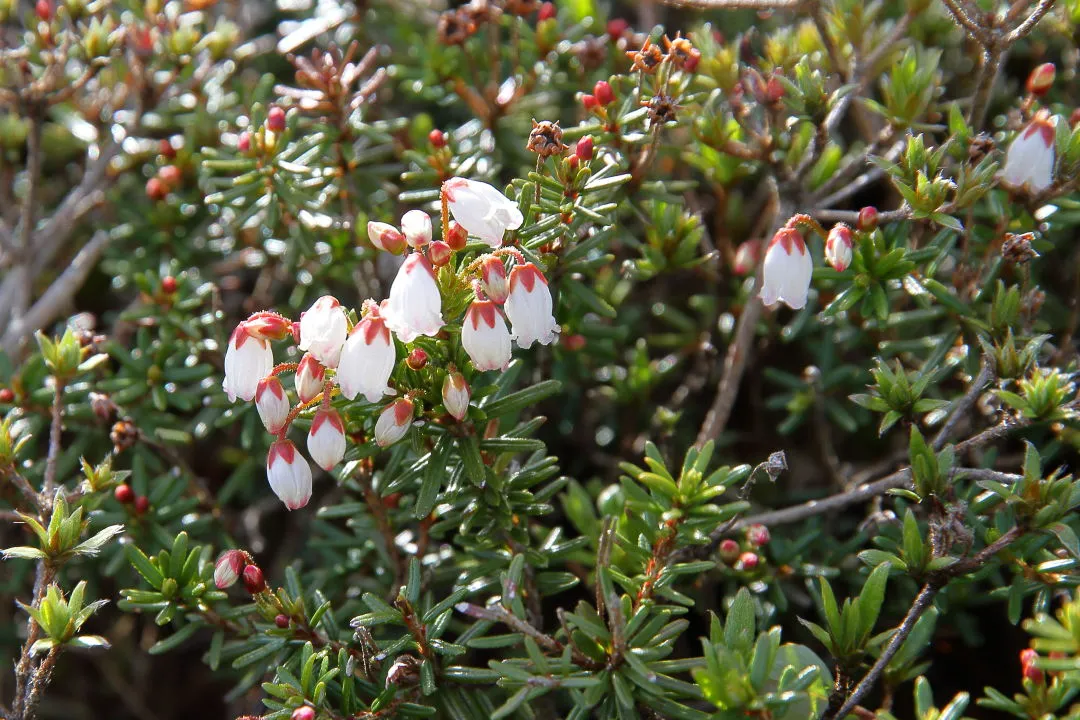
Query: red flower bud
x=589, y=101
x=243, y=143
x=124, y=494
x=774, y=90
x=747, y=561
x=275, y=119
x=304, y=712
x=417, y=359
x=437, y=138
x=7, y=395
x=584, y=148
x=547, y=12
x=156, y=189
x=44, y=10
x=616, y=28
x=166, y=149
x=170, y=175
x=253, y=579
x=439, y=253
x=573, y=342
x=1027, y=666
x=692, y=59
x=282, y=621
x=603, y=93
x=458, y=236
x=168, y=284
x=729, y=550
x=868, y=218
x=1074, y=118
x=1041, y=79
x=142, y=504
x=758, y=535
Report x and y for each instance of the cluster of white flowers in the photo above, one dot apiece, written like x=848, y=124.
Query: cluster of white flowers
x=359, y=360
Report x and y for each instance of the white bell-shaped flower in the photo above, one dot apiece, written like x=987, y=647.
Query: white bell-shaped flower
x=788, y=267
x=493, y=279
x=323, y=329
x=485, y=337
x=528, y=305
x=839, y=246
x=394, y=421
x=248, y=360
x=368, y=358
x=482, y=209
x=273, y=404
x=1029, y=162
x=326, y=439
x=309, y=378
x=414, y=307
x=416, y=227
x=289, y=475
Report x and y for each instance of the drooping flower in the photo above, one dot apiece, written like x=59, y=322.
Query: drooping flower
x=838, y=246
x=528, y=305
x=493, y=274
x=416, y=227
x=386, y=237
x=272, y=403
x=414, y=307
x=788, y=267
x=247, y=361
x=326, y=439
x=289, y=474
x=309, y=378
x=368, y=358
x=1029, y=162
x=323, y=329
x=482, y=209
x=228, y=568
x=394, y=422
x=456, y=395
x=485, y=337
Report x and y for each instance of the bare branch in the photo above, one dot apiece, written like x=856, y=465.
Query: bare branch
x=963, y=405
x=974, y=29
x=1030, y=22
x=740, y=4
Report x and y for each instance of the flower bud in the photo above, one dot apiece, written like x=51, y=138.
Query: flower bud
x=253, y=580
x=142, y=505
x=44, y=10
x=493, y=279
x=309, y=378
x=729, y=550
x=439, y=253
x=168, y=284
x=603, y=93
x=456, y=395
x=394, y=421
x=272, y=403
x=437, y=138
x=573, y=342
x=758, y=535
x=458, y=236
x=692, y=60
x=386, y=237
x=838, y=247
x=747, y=561
x=616, y=28
x=7, y=396
x=243, y=143
x=584, y=149
x=774, y=90
x=746, y=257
x=304, y=712
x=868, y=219
x=275, y=119
x=156, y=189
x=417, y=359
x=171, y=176
x=124, y=494
x=416, y=227
x=1027, y=666
x=282, y=621
x=228, y=568
x=547, y=12
x=326, y=439
x=323, y=330
x=589, y=102
x=1041, y=79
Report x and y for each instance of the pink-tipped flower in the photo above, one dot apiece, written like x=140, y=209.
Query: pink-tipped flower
x=456, y=395
x=309, y=378
x=729, y=550
x=583, y=151
x=228, y=568
x=747, y=561
x=386, y=237
x=440, y=253
x=528, y=305
x=485, y=337
x=368, y=358
x=416, y=227
x=268, y=326
x=458, y=237
x=493, y=279
x=788, y=267
x=289, y=474
x=482, y=209
x=247, y=360
x=1041, y=79
x=393, y=422
x=414, y=307
x=867, y=219
x=839, y=246
x=275, y=119
x=272, y=403
x=304, y=712
x=417, y=359
x=323, y=329
x=758, y=535
x=1027, y=666
x=746, y=257
x=1029, y=162
x=326, y=439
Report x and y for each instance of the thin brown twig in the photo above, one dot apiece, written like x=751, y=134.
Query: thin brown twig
x=965, y=403
x=740, y=4
x=56, y=426
x=1030, y=22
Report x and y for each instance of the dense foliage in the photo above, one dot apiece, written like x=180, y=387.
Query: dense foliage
x=518, y=360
